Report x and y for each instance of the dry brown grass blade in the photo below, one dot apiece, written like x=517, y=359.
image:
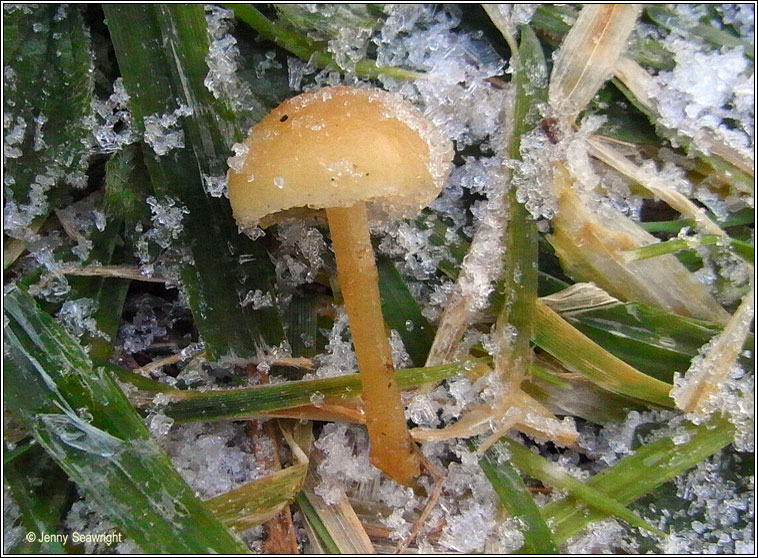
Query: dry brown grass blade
x=588, y=55
x=706, y=373
x=340, y=519
x=115, y=271
x=578, y=298
x=592, y=246
x=676, y=200
x=513, y=410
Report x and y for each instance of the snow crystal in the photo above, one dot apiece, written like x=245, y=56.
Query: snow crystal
x=161, y=132
x=167, y=221
x=111, y=122
x=339, y=357
x=76, y=317
x=237, y=161
x=216, y=186
x=212, y=457
x=142, y=331
x=300, y=255
x=258, y=299
x=268, y=62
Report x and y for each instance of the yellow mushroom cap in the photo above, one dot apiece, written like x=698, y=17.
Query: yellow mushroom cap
x=334, y=147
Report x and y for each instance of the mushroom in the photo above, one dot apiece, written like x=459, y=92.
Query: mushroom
x=357, y=153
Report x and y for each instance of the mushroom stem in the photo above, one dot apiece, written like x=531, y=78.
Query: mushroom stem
x=392, y=448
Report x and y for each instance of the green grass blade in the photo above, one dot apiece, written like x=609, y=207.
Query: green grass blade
x=579, y=353
x=515, y=322
x=310, y=515
x=668, y=19
x=50, y=60
x=82, y=419
x=306, y=49
x=402, y=312
x=551, y=474
x=655, y=342
x=41, y=507
x=514, y=496
x=742, y=249
x=651, y=465
x=151, y=44
x=245, y=402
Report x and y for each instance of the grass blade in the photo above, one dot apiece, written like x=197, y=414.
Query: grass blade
x=246, y=402
x=580, y=354
x=514, y=496
x=551, y=474
x=402, y=312
x=651, y=465
x=82, y=419
x=152, y=46
x=588, y=55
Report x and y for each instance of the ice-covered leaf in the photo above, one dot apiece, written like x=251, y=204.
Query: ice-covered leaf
x=82, y=419
x=162, y=59
x=47, y=89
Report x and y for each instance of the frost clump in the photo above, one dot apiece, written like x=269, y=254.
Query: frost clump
x=222, y=79
x=338, y=357
x=720, y=515
x=111, y=115
x=212, y=457
x=167, y=221
x=456, y=93
x=482, y=265
x=14, y=136
x=695, y=105
x=86, y=518
x=216, y=186
x=300, y=254
x=143, y=330
x=161, y=132
x=77, y=317
x=345, y=449
x=258, y=299
x=14, y=530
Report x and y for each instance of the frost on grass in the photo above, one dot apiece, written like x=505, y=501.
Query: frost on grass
x=717, y=510
x=163, y=132
x=222, y=59
x=338, y=357
x=154, y=246
x=213, y=458
x=455, y=94
x=77, y=317
x=14, y=530
x=300, y=254
x=111, y=122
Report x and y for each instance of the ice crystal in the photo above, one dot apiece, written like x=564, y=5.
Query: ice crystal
x=162, y=132
x=111, y=122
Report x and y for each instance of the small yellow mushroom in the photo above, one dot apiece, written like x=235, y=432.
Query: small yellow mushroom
x=355, y=153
